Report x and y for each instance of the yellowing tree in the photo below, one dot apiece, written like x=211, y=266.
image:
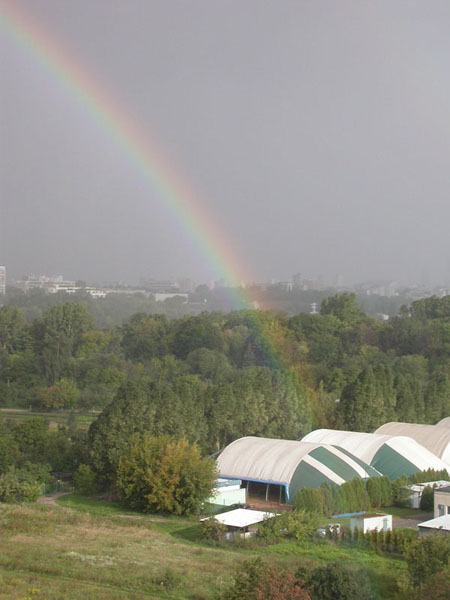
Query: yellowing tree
x=160, y=474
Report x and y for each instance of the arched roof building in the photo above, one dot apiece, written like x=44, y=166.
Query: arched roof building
x=289, y=464
x=444, y=422
x=391, y=455
x=433, y=437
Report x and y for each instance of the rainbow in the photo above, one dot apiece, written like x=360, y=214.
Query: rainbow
x=213, y=247
x=211, y=243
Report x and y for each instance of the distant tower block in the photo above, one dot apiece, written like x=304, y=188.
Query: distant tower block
x=2, y=280
x=314, y=310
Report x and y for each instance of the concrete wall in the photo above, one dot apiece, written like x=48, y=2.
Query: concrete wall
x=227, y=496
x=441, y=503
x=380, y=522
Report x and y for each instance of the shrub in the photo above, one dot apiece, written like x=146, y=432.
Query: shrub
x=85, y=480
x=427, y=498
x=159, y=474
x=400, y=492
x=212, y=529
x=336, y=581
x=15, y=487
x=427, y=556
x=436, y=588
x=257, y=581
x=296, y=524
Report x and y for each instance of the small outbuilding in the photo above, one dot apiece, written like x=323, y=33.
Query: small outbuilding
x=242, y=521
x=442, y=501
x=416, y=490
x=438, y=525
x=371, y=522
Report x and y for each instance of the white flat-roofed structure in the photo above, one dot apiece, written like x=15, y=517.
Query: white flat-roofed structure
x=440, y=524
x=287, y=466
x=433, y=437
x=417, y=490
x=241, y=518
x=391, y=455
x=371, y=522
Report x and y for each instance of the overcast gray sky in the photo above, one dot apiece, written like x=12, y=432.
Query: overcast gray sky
x=317, y=133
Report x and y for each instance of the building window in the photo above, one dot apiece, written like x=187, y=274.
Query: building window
x=441, y=509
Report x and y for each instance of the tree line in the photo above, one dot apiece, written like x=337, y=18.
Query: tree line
x=215, y=377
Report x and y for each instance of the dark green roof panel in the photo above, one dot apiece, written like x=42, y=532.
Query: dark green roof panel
x=391, y=463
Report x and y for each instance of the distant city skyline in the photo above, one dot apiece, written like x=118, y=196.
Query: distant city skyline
x=58, y=282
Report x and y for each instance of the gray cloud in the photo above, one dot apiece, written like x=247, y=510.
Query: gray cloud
x=317, y=134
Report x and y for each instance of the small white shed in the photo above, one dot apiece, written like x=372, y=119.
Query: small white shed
x=416, y=490
x=241, y=521
x=440, y=525
x=371, y=521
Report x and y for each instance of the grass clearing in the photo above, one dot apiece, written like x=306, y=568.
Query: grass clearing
x=94, y=506
x=93, y=553
x=54, y=419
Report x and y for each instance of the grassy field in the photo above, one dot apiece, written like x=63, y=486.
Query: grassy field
x=54, y=418
x=102, y=551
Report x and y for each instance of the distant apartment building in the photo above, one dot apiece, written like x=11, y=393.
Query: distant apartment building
x=2, y=280
x=297, y=281
x=161, y=286
x=54, y=284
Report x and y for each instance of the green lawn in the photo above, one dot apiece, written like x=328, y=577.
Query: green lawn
x=94, y=506
x=58, y=418
x=84, y=549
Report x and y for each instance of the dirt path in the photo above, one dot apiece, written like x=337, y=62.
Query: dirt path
x=49, y=500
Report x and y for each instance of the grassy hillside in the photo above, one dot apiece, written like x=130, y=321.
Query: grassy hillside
x=53, y=552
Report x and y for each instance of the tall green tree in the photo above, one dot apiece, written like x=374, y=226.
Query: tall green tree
x=362, y=406
x=344, y=307
x=160, y=474
x=58, y=336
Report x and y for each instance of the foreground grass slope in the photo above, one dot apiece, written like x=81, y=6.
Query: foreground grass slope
x=53, y=552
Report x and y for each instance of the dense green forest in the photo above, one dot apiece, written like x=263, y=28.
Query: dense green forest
x=214, y=377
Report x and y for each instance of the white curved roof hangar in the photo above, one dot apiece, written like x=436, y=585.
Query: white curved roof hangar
x=391, y=455
x=290, y=463
x=433, y=437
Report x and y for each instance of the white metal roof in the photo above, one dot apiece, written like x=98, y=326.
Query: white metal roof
x=438, y=523
x=271, y=460
x=419, y=487
x=242, y=517
x=433, y=437
x=366, y=445
x=263, y=459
